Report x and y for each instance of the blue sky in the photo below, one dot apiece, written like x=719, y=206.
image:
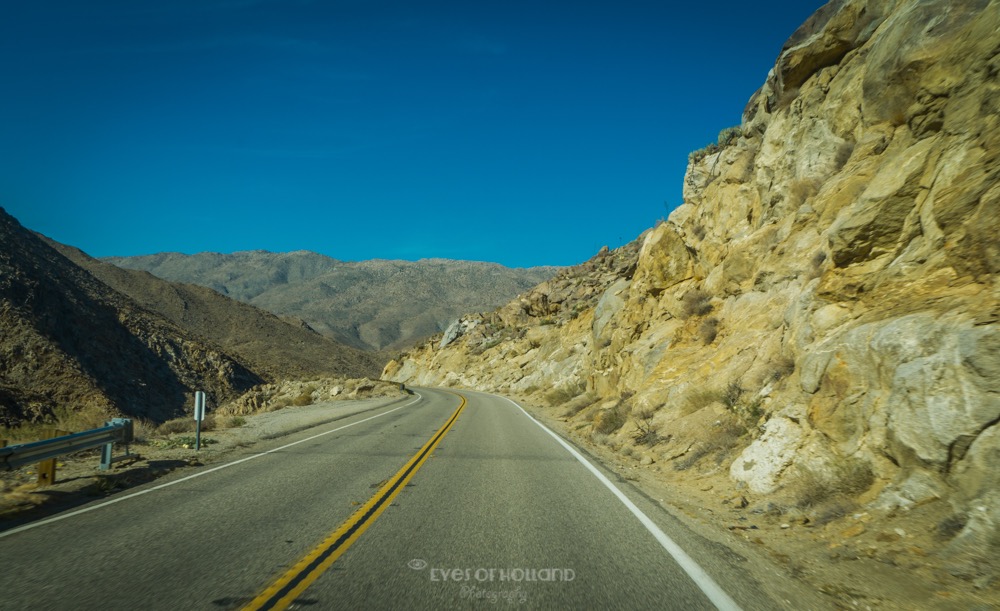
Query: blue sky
x=526, y=133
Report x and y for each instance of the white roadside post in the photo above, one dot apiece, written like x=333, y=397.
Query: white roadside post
x=199, y=415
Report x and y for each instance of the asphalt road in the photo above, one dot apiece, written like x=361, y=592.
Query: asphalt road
x=500, y=513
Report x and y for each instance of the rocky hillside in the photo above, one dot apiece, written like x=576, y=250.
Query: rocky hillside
x=372, y=305
x=110, y=342
x=272, y=347
x=819, y=319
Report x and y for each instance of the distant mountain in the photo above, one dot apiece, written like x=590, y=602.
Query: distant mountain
x=273, y=347
x=372, y=305
x=105, y=341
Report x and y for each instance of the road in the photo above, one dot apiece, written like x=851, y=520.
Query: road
x=498, y=512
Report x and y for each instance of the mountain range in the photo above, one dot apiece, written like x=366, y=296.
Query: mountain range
x=80, y=335
x=371, y=305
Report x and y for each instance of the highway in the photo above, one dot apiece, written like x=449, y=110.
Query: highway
x=480, y=506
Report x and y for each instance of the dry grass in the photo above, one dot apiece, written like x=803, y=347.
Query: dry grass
x=578, y=404
x=185, y=424
x=695, y=302
x=610, y=420
x=709, y=330
x=848, y=478
x=646, y=432
x=563, y=395
x=64, y=420
x=699, y=399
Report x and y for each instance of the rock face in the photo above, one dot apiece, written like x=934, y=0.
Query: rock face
x=828, y=289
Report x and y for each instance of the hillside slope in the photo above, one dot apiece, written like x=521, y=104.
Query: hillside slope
x=372, y=305
x=272, y=347
x=70, y=342
x=818, y=321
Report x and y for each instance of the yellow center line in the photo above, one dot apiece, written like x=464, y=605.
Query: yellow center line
x=289, y=586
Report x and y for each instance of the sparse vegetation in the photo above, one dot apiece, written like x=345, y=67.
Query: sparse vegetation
x=729, y=135
x=709, y=330
x=188, y=441
x=234, y=422
x=561, y=395
x=646, y=432
x=848, y=478
x=726, y=137
x=578, y=404
x=730, y=395
x=951, y=526
x=695, y=302
x=722, y=441
x=609, y=420
x=782, y=368
x=816, y=264
x=700, y=399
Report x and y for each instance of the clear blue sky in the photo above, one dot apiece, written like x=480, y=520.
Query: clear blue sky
x=526, y=133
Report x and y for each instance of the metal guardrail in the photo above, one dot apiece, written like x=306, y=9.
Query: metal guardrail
x=118, y=430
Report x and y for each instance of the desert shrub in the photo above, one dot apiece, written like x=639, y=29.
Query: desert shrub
x=801, y=189
x=561, y=395
x=731, y=394
x=720, y=443
x=696, y=156
x=848, y=478
x=780, y=369
x=729, y=135
x=951, y=525
x=600, y=439
x=234, y=422
x=646, y=432
x=699, y=399
x=610, y=420
x=305, y=398
x=844, y=152
x=695, y=302
x=177, y=425
x=578, y=404
x=709, y=330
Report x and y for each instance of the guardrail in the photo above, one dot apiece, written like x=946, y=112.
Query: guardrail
x=118, y=430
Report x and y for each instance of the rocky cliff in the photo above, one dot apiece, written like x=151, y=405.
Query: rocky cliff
x=821, y=314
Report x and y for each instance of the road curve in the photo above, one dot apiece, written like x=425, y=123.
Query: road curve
x=497, y=513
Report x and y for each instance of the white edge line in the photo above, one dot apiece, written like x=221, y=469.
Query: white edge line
x=119, y=499
x=703, y=580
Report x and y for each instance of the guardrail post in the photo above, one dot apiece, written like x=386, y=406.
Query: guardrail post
x=106, y=451
x=47, y=468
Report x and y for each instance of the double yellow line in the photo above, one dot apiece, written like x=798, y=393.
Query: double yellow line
x=289, y=586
